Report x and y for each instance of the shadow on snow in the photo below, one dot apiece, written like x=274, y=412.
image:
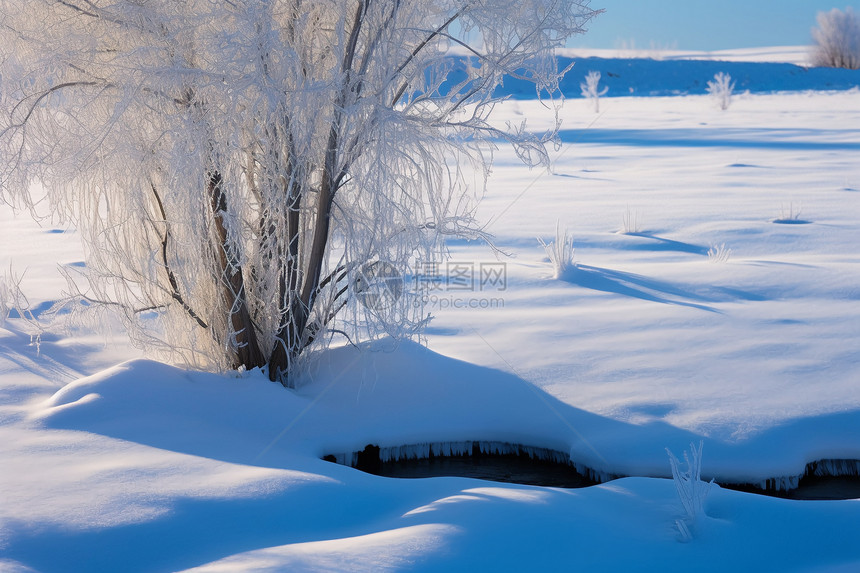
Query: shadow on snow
x=777, y=139
x=358, y=397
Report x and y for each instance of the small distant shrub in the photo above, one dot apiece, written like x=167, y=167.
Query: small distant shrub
x=560, y=251
x=721, y=88
x=719, y=253
x=692, y=491
x=591, y=90
x=5, y=298
x=630, y=222
x=837, y=40
x=13, y=303
x=789, y=214
x=12, y=299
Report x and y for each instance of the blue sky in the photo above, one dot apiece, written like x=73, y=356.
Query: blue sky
x=704, y=24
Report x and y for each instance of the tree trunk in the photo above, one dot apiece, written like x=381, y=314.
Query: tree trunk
x=247, y=347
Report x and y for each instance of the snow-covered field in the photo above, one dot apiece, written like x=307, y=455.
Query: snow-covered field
x=648, y=342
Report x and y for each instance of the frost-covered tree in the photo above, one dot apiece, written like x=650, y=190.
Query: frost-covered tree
x=837, y=40
x=241, y=169
x=591, y=90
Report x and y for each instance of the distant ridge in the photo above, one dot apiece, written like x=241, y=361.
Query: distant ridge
x=646, y=77
x=645, y=73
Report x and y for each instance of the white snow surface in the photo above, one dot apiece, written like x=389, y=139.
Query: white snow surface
x=647, y=343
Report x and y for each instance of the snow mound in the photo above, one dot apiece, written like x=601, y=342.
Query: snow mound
x=410, y=395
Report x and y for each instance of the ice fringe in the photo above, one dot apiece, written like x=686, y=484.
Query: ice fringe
x=424, y=450
x=820, y=468
x=464, y=448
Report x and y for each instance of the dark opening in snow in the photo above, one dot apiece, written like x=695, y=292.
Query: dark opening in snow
x=493, y=461
x=514, y=467
x=811, y=487
x=509, y=463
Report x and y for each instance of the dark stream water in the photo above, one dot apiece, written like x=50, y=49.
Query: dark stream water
x=522, y=469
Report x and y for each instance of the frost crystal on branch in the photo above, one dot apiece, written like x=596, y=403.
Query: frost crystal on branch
x=231, y=165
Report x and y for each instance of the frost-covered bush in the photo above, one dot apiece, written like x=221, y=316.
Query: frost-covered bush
x=12, y=298
x=591, y=90
x=721, y=88
x=560, y=252
x=630, y=222
x=789, y=213
x=5, y=300
x=692, y=491
x=234, y=167
x=837, y=40
x=719, y=253
x=14, y=303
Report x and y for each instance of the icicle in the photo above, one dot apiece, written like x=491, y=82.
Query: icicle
x=447, y=449
x=835, y=468
x=820, y=468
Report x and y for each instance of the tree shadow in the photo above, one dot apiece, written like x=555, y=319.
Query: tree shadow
x=659, y=244
x=634, y=286
x=776, y=139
